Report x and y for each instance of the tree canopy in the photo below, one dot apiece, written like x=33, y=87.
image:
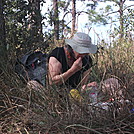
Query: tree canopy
x=23, y=24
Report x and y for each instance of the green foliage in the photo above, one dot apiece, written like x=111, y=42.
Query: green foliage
x=108, y=8
x=96, y=18
x=61, y=4
x=23, y=28
x=128, y=20
x=15, y=16
x=124, y=17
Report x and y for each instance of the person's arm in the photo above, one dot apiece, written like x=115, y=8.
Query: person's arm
x=55, y=67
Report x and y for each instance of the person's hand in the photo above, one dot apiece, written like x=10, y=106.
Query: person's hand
x=77, y=65
x=92, y=84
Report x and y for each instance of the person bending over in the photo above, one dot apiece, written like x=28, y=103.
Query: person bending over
x=71, y=64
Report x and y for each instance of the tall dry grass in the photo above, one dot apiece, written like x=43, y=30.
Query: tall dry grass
x=49, y=110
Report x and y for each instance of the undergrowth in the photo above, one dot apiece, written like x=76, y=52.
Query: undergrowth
x=49, y=110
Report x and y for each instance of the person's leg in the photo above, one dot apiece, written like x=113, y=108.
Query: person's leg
x=34, y=85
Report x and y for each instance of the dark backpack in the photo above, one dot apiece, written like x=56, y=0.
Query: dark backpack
x=32, y=66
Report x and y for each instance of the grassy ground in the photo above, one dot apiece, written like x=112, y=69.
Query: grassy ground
x=49, y=110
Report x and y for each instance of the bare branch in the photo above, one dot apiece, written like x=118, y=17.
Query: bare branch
x=127, y=7
x=112, y=12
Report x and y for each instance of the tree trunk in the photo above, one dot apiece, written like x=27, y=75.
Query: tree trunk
x=35, y=19
x=121, y=17
x=73, y=16
x=2, y=33
x=56, y=20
